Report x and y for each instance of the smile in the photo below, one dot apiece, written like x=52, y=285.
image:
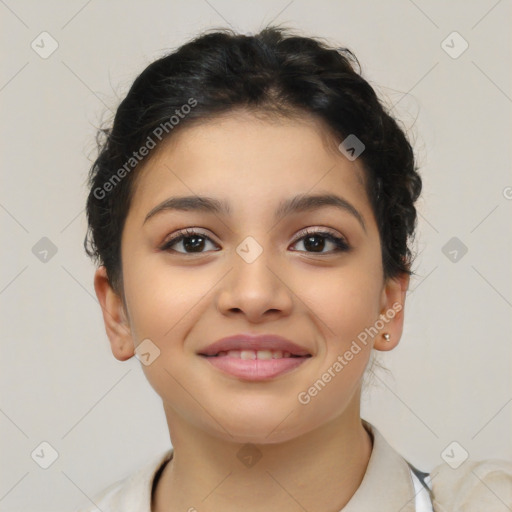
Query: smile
x=255, y=354
x=255, y=365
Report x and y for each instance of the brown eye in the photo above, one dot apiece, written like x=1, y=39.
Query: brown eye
x=195, y=242
x=192, y=242
x=316, y=241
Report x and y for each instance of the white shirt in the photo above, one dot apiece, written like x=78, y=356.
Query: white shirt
x=388, y=485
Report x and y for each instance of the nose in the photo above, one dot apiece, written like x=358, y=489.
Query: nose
x=258, y=289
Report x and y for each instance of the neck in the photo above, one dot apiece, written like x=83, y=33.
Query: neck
x=320, y=470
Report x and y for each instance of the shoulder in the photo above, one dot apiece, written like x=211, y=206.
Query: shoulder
x=473, y=487
x=108, y=499
x=129, y=494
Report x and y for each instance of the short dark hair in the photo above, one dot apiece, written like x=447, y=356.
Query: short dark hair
x=275, y=72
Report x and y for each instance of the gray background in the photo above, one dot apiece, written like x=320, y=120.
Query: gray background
x=450, y=376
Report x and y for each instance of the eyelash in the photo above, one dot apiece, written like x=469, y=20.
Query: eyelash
x=340, y=243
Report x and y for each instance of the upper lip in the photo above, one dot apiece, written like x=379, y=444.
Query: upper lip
x=254, y=342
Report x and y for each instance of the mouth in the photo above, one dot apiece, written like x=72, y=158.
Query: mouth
x=251, y=346
x=247, y=366
x=255, y=357
x=261, y=355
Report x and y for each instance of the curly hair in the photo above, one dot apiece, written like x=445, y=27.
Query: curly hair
x=274, y=72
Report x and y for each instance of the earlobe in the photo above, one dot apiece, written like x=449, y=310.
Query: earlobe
x=392, y=313
x=114, y=317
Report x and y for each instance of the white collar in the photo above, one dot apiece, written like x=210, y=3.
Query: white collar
x=386, y=486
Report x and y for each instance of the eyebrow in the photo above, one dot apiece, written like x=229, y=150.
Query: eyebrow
x=296, y=204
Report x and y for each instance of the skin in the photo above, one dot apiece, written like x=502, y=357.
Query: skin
x=313, y=456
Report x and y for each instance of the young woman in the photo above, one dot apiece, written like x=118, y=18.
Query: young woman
x=251, y=209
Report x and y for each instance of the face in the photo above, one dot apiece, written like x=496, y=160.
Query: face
x=312, y=275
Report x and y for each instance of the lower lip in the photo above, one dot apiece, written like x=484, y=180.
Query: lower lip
x=255, y=369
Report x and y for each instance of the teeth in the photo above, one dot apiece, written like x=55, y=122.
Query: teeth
x=255, y=354
x=265, y=354
x=247, y=354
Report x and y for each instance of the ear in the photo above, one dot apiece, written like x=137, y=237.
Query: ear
x=392, y=312
x=114, y=317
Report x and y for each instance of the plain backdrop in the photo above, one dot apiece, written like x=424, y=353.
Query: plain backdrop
x=450, y=377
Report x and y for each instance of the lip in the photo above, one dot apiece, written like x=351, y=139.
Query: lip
x=255, y=369
x=254, y=342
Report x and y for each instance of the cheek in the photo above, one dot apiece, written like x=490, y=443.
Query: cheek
x=344, y=306
x=346, y=301
x=162, y=301
x=160, y=297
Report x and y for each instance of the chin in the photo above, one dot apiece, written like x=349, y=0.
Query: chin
x=271, y=427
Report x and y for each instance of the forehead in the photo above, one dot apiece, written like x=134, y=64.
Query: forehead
x=241, y=155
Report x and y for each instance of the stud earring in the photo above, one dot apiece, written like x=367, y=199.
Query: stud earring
x=386, y=336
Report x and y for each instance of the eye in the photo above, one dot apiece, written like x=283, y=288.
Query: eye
x=315, y=241
x=193, y=241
